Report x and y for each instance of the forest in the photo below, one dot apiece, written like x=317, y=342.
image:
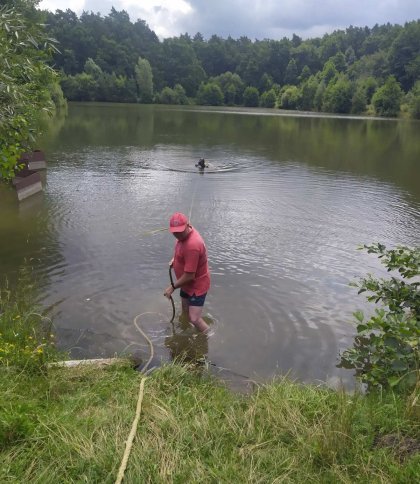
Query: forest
x=359, y=70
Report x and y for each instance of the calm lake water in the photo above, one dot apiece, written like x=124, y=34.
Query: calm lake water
x=285, y=203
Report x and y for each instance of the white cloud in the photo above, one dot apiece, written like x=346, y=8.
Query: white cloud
x=53, y=5
x=252, y=18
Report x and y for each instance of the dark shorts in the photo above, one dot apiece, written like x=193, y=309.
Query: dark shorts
x=193, y=300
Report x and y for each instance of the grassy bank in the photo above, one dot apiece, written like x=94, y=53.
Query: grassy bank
x=60, y=425
x=70, y=425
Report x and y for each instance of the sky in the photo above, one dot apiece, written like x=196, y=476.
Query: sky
x=255, y=19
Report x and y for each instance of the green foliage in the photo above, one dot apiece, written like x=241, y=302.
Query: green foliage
x=251, y=97
x=386, y=351
x=329, y=72
x=305, y=74
x=359, y=100
x=290, y=98
x=24, y=82
x=338, y=96
x=268, y=99
x=115, y=43
x=210, y=94
x=99, y=87
x=404, y=56
x=232, y=87
x=308, y=91
x=387, y=98
x=26, y=339
x=172, y=96
x=319, y=96
x=291, y=75
x=144, y=79
x=413, y=98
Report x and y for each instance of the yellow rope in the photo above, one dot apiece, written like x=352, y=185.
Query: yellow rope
x=152, y=351
x=134, y=425
x=130, y=439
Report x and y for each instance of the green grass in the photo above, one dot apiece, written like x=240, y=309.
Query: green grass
x=60, y=425
x=26, y=335
x=70, y=425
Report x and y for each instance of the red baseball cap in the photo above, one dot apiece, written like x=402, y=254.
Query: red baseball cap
x=178, y=222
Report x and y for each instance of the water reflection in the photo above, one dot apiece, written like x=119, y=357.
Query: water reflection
x=283, y=206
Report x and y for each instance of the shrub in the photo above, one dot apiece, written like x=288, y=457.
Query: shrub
x=386, y=348
x=387, y=98
x=251, y=97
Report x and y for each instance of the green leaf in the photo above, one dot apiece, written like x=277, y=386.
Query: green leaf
x=393, y=380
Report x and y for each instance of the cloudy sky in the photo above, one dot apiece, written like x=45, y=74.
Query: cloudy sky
x=256, y=19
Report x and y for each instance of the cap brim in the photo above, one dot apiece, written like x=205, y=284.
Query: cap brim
x=178, y=228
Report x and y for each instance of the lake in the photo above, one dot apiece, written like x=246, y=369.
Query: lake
x=283, y=206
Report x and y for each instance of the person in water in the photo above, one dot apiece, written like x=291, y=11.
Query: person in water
x=201, y=163
x=191, y=269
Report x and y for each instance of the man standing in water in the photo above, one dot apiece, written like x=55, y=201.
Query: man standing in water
x=191, y=269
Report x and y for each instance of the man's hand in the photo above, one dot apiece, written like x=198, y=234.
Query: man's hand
x=171, y=262
x=168, y=292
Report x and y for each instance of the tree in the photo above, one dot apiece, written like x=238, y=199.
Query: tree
x=93, y=69
x=404, y=56
x=329, y=71
x=305, y=74
x=338, y=96
x=180, y=94
x=268, y=99
x=308, y=90
x=251, y=97
x=291, y=76
x=350, y=56
x=319, y=95
x=290, y=98
x=387, y=98
x=210, y=94
x=24, y=81
x=339, y=61
x=178, y=64
x=167, y=96
x=359, y=100
x=144, y=80
x=414, y=101
x=231, y=86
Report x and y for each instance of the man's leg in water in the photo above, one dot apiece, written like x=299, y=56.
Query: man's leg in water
x=195, y=313
x=185, y=306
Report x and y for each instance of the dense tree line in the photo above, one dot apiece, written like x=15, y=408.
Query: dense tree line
x=357, y=70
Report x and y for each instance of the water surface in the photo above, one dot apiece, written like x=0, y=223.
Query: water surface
x=283, y=207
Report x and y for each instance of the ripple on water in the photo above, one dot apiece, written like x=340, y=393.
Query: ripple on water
x=281, y=237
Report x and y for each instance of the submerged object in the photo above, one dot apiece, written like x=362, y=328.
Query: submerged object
x=202, y=164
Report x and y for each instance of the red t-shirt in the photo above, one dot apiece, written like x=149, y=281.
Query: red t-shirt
x=191, y=256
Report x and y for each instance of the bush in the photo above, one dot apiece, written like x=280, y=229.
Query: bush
x=290, y=98
x=251, y=97
x=210, y=94
x=268, y=99
x=387, y=98
x=413, y=98
x=386, y=349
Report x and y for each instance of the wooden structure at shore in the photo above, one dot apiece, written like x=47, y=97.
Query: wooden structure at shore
x=28, y=180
